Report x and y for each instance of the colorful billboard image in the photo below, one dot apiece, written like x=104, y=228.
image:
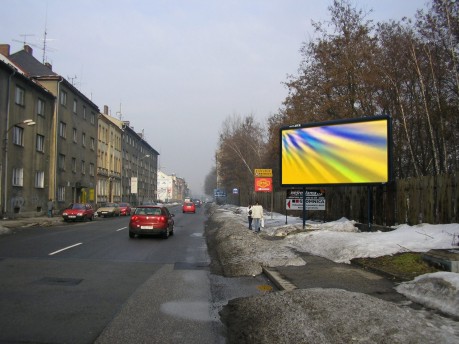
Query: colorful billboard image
x=333, y=153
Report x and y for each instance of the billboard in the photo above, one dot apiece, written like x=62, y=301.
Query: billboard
x=356, y=151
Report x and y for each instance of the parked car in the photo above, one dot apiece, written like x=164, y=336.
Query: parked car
x=109, y=209
x=189, y=207
x=125, y=209
x=151, y=220
x=78, y=212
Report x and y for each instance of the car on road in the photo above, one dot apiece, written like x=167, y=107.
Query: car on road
x=109, y=209
x=151, y=220
x=125, y=209
x=78, y=212
x=189, y=207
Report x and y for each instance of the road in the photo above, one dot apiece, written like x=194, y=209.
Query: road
x=89, y=283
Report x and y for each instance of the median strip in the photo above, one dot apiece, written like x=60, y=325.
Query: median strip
x=63, y=249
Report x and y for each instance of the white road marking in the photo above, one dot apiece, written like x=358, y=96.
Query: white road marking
x=121, y=229
x=63, y=249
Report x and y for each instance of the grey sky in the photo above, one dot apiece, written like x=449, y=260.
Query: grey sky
x=177, y=69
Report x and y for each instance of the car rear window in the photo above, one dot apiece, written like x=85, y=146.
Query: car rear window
x=148, y=211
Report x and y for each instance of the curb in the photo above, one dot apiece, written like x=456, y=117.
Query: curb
x=280, y=282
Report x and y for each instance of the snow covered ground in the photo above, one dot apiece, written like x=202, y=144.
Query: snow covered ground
x=341, y=241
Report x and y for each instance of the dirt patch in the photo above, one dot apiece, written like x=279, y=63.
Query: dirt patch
x=400, y=267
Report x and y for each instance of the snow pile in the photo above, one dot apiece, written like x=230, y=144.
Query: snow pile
x=341, y=241
x=439, y=290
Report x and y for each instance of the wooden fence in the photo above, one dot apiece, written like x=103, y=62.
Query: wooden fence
x=431, y=199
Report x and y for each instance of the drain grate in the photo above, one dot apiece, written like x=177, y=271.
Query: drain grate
x=191, y=266
x=67, y=282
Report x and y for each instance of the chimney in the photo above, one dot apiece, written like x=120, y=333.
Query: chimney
x=105, y=109
x=5, y=49
x=49, y=65
x=28, y=49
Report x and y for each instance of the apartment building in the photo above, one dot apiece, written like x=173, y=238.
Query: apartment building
x=73, y=148
x=26, y=118
x=57, y=145
x=109, y=159
x=140, y=167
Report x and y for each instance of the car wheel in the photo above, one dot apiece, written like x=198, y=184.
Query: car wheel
x=91, y=217
x=131, y=235
x=172, y=231
x=166, y=234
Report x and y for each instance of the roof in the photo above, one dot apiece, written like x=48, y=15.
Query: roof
x=18, y=71
x=30, y=64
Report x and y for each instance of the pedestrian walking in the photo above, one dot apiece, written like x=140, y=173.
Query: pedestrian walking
x=249, y=216
x=50, y=207
x=257, y=216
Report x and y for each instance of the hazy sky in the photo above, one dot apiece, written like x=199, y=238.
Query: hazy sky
x=178, y=68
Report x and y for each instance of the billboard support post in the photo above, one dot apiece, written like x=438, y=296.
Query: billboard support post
x=304, y=207
x=370, y=206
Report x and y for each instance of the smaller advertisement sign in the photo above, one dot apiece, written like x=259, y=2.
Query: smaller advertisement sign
x=263, y=184
x=263, y=172
x=133, y=185
x=315, y=199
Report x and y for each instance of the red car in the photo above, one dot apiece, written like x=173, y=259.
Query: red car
x=189, y=207
x=78, y=211
x=151, y=220
x=125, y=209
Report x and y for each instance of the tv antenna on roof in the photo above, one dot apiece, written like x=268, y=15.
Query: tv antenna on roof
x=25, y=35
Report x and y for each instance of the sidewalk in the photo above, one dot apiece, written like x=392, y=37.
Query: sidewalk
x=323, y=273
x=42, y=221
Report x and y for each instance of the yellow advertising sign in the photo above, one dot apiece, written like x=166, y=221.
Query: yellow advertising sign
x=263, y=172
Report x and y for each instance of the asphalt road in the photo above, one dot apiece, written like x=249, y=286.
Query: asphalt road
x=88, y=282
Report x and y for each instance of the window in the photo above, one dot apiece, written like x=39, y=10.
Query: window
x=20, y=96
x=74, y=135
x=83, y=139
x=75, y=106
x=83, y=167
x=93, y=118
x=62, y=130
x=40, y=179
x=63, y=98
x=74, y=165
x=84, y=112
x=40, y=107
x=18, y=176
x=61, y=162
x=61, y=193
x=40, y=143
x=18, y=136
x=91, y=169
x=93, y=143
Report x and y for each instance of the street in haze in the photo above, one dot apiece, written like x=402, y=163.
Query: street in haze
x=88, y=282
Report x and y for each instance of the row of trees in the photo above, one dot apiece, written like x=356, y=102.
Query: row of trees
x=356, y=68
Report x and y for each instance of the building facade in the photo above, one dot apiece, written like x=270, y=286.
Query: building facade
x=140, y=168
x=109, y=160
x=74, y=143
x=26, y=116
x=71, y=152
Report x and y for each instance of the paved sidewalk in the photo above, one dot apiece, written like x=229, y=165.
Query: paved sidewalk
x=322, y=273
x=42, y=221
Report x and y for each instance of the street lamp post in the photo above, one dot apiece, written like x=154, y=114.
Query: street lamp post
x=28, y=122
x=138, y=163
